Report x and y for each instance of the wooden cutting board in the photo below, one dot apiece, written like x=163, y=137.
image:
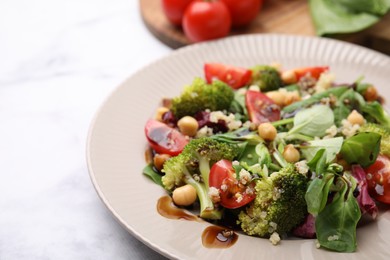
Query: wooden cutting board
x=276, y=16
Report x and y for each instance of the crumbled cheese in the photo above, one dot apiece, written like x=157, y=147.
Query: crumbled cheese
x=254, y=88
x=324, y=82
x=318, y=245
x=194, y=94
x=224, y=187
x=204, y=131
x=348, y=129
x=263, y=214
x=239, y=197
x=333, y=238
x=249, y=190
x=235, y=163
x=302, y=167
x=331, y=132
x=230, y=119
x=274, y=238
x=214, y=195
x=245, y=176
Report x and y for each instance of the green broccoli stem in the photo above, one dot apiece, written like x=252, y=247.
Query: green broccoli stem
x=204, y=168
x=207, y=209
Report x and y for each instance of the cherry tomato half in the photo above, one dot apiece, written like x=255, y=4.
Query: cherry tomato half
x=205, y=20
x=221, y=177
x=261, y=108
x=378, y=179
x=236, y=77
x=243, y=11
x=314, y=72
x=174, y=9
x=164, y=139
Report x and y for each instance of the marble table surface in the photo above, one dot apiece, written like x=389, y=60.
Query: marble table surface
x=58, y=62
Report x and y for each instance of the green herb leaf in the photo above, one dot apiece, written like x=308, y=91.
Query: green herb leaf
x=318, y=163
x=313, y=121
x=362, y=148
x=152, y=174
x=317, y=193
x=376, y=111
x=336, y=223
x=331, y=145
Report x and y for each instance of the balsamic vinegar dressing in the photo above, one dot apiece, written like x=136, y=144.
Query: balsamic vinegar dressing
x=166, y=208
x=218, y=237
x=212, y=236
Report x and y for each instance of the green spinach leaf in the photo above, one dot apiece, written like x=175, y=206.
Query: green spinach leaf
x=152, y=174
x=362, y=148
x=332, y=17
x=336, y=223
x=313, y=121
x=331, y=145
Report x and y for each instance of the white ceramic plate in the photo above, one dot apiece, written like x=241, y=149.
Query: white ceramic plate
x=116, y=143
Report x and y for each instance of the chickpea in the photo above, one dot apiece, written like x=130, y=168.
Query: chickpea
x=291, y=154
x=371, y=94
x=160, y=112
x=267, y=131
x=289, y=77
x=277, y=97
x=188, y=125
x=355, y=118
x=291, y=97
x=159, y=160
x=184, y=195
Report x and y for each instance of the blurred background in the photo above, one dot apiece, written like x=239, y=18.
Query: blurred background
x=59, y=60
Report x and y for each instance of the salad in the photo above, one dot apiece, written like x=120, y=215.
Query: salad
x=275, y=153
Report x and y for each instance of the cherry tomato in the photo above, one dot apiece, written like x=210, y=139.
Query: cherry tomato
x=378, y=179
x=174, y=9
x=204, y=20
x=236, y=77
x=243, y=11
x=261, y=108
x=314, y=72
x=221, y=177
x=164, y=139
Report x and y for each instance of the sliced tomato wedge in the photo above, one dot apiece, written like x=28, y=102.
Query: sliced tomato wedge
x=314, y=72
x=261, y=108
x=378, y=179
x=164, y=139
x=236, y=77
x=233, y=193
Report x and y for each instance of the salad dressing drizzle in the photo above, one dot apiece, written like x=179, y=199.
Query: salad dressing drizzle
x=218, y=237
x=166, y=208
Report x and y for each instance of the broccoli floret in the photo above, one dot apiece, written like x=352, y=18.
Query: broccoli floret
x=192, y=167
x=200, y=96
x=381, y=130
x=266, y=77
x=279, y=205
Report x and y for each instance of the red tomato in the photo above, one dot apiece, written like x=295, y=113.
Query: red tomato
x=315, y=72
x=236, y=77
x=174, y=9
x=261, y=108
x=378, y=179
x=205, y=20
x=221, y=175
x=243, y=11
x=164, y=139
